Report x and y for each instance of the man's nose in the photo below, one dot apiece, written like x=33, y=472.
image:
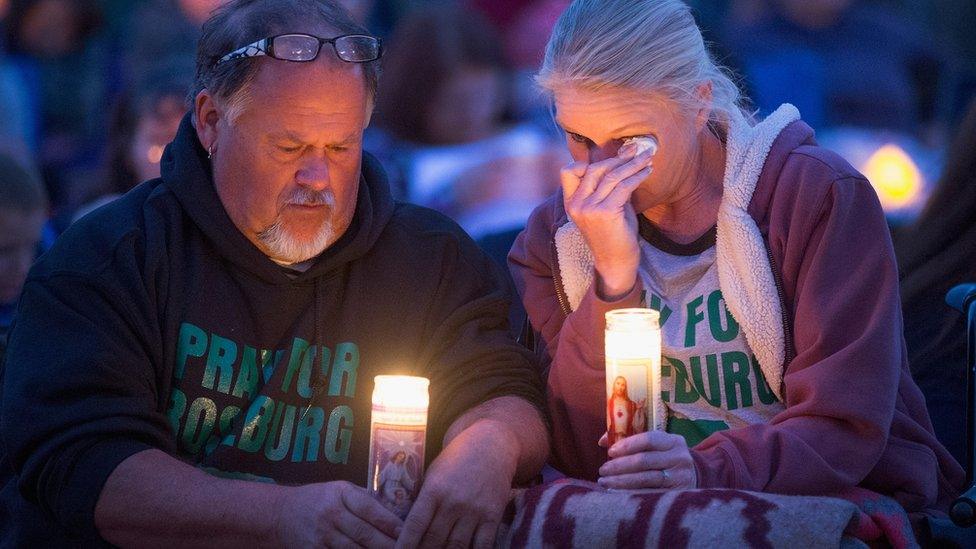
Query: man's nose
x=314, y=173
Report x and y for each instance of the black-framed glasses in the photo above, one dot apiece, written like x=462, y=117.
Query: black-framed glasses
x=351, y=48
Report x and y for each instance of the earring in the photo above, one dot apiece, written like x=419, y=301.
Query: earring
x=210, y=151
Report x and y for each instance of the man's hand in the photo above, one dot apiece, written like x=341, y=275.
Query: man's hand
x=333, y=514
x=597, y=198
x=466, y=490
x=654, y=459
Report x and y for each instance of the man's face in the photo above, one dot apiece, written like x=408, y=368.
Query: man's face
x=287, y=169
x=20, y=233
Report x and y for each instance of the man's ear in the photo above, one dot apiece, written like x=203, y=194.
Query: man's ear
x=704, y=95
x=207, y=116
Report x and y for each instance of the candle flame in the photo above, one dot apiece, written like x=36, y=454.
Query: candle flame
x=401, y=392
x=894, y=176
x=632, y=333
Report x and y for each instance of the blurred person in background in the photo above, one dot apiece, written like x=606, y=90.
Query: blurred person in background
x=934, y=255
x=442, y=107
x=23, y=212
x=524, y=40
x=198, y=11
x=142, y=123
x=442, y=121
x=16, y=108
x=360, y=10
x=437, y=56
x=163, y=33
x=55, y=44
x=379, y=16
x=952, y=22
x=841, y=62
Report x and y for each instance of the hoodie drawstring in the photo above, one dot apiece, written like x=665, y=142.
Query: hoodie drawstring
x=318, y=375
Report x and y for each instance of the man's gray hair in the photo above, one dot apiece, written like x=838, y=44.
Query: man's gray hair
x=241, y=22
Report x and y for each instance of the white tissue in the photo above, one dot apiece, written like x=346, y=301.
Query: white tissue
x=643, y=144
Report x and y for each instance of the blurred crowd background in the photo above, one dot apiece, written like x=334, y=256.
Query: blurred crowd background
x=91, y=91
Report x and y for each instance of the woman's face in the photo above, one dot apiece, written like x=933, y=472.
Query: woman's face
x=597, y=123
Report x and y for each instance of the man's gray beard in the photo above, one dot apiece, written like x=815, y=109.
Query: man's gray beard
x=285, y=248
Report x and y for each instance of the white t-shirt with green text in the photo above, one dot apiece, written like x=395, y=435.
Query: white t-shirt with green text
x=710, y=379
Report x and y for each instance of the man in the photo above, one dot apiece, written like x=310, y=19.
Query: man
x=194, y=363
x=23, y=211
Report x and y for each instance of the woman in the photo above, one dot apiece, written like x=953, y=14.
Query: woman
x=768, y=258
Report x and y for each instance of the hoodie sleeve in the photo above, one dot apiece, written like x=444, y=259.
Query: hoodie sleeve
x=840, y=389
x=79, y=394
x=472, y=357
x=574, y=388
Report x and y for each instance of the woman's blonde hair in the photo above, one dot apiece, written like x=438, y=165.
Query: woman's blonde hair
x=644, y=45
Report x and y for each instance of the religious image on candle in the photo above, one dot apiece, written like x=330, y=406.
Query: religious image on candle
x=633, y=373
x=398, y=435
x=627, y=404
x=398, y=457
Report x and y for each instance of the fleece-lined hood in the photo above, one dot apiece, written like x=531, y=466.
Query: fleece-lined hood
x=746, y=277
x=187, y=171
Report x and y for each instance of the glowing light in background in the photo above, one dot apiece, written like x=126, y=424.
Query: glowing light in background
x=895, y=177
x=902, y=169
x=155, y=153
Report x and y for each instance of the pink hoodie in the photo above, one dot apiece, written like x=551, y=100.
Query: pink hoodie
x=853, y=416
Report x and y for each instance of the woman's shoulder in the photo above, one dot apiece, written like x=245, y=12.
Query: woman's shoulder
x=547, y=217
x=802, y=175
x=533, y=246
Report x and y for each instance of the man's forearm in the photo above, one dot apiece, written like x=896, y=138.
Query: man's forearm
x=512, y=425
x=154, y=500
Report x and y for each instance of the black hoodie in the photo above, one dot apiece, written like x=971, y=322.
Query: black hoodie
x=154, y=322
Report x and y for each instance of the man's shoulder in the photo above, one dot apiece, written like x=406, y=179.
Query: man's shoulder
x=420, y=239
x=110, y=232
x=410, y=220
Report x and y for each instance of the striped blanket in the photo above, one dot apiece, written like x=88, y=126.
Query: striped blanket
x=572, y=513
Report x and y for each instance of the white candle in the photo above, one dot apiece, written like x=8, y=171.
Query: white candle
x=398, y=432
x=633, y=363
